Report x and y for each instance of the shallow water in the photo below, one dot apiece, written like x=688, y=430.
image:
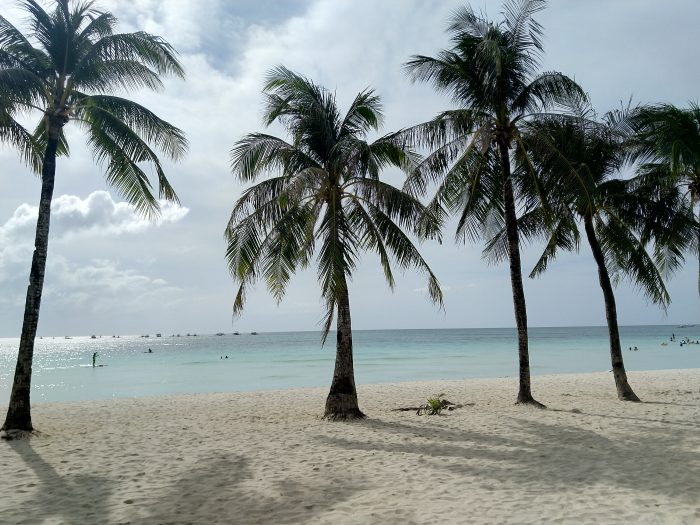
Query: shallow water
x=63, y=370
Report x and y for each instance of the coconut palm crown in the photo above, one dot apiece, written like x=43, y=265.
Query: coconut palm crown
x=666, y=143
x=324, y=198
x=491, y=73
x=67, y=67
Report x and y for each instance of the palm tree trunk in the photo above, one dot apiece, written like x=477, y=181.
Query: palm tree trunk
x=19, y=413
x=516, y=280
x=624, y=390
x=341, y=402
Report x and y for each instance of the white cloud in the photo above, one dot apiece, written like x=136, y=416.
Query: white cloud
x=104, y=286
x=423, y=290
x=77, y=285
x=97, y=214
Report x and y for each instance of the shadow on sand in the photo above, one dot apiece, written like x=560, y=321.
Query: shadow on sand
x=223, y=489
x=74, y=497
x=544, y=457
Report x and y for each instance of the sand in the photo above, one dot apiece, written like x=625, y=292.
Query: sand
x=267, y=457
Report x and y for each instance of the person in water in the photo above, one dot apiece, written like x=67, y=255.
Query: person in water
x=94, y=356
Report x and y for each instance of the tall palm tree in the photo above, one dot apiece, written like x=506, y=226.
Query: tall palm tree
x=580, y=159
x=325, y=198
x=66, y=68
x=491, y=74
x=667, y=144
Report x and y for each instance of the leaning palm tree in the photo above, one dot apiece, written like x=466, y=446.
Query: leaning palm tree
x=491, y=74
x=325, y=198
x=667, y=146
x=66, y=68
x=580, y=159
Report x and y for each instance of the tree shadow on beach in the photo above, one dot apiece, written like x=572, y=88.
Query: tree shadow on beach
x=223, y=489
x=439, y=442
x=682, y=423
x=73, y=497
x=542, y=457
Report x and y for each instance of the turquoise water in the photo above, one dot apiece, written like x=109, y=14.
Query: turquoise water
x=63, y=371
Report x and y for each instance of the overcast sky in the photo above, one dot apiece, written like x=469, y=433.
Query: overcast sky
x=111, y=272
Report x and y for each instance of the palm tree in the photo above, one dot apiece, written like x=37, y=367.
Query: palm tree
x=326, y=198
x=491, y=74
x=580, y=159
x=667, y=144
x=67, y=67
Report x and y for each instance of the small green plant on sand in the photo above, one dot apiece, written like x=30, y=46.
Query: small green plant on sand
x=434, y=405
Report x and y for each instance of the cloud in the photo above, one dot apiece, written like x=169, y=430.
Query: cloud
x=97, y=214
x=104, y=286
x=78, y=285
x=97, y=296
x=423, y=290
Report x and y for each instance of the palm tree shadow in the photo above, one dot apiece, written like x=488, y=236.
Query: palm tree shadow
x=542, y=457
x=641, y=419
x=555, y=455
x=668, y=403
x=74, y=497
x=225, y=486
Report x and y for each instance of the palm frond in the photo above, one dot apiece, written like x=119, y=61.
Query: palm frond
x=627, y=257
x=114, y=127
x=551, y=90
x=258, y=153
x=14, y=134
x=403, y=250
x=365, y=114
x=103, y=109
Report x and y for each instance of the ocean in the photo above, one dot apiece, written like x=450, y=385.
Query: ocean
x=268, y=361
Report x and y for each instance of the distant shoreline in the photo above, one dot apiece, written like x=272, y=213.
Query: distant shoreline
x=262, y=332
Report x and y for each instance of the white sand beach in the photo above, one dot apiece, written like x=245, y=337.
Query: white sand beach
x=267, y=457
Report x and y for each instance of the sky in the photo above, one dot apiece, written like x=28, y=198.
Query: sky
x=111, y=271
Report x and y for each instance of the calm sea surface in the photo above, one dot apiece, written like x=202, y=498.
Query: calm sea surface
x=63, y=367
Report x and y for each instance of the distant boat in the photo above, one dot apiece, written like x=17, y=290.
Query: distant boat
x=219, y=333
x=158, y=335
x=253, y=333
x=93, y=336
x=236, y=333
x=66, y=337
